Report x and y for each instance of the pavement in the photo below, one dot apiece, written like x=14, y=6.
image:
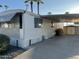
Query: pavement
x=62, y=47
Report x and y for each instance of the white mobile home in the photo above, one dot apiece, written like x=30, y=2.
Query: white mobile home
x=25, y=28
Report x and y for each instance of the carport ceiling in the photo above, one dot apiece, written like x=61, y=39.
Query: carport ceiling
x=60, y=17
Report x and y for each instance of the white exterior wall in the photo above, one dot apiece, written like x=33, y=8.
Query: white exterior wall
x=47, y=31
x=29, y=32
x=13, y=33
x=34, y=34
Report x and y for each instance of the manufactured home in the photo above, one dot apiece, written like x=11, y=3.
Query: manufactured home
x=25, y=28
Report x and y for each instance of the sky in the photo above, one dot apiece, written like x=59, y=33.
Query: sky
x=53, y=6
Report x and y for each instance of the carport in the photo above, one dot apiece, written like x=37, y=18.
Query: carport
x=63, y=20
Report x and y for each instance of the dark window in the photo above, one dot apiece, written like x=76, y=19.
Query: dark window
x=37, y=22
x=20, y=21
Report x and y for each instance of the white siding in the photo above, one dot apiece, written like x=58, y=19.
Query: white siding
x=29, y=32
x=12, y=30
x=13, y=33
x=47, y=31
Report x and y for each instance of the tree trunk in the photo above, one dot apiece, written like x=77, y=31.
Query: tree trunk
x=37, y=7
x=31, y=3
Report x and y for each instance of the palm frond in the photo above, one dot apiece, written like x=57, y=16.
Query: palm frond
x=25, y=1
x=40, y=1
x=6, y=6
x=0, y=5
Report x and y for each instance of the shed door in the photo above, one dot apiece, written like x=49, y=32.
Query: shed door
x=69, y=30
x=77, y=30
x=65, y=30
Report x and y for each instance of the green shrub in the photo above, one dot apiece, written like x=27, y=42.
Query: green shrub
x=4, y=42
x=59, y=32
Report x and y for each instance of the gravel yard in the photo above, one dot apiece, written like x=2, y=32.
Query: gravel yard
x=11, y=52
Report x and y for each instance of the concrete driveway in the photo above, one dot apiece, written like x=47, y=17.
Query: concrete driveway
x=65, y=47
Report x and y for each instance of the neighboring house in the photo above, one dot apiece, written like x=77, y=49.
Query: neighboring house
x=25, y=28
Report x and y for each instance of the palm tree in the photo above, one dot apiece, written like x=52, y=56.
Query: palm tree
x=6, y=7
x=31, y=4
x=0, y=5
x=38, y=4
x=26, y=5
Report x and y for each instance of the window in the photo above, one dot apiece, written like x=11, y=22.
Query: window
x=4, y=25
x=37, y=22
x=7, y=25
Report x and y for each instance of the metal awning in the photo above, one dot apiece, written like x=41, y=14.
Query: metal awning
x=6, y=18
x=61, y=17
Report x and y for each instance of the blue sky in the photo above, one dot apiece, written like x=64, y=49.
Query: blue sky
x=54, y=6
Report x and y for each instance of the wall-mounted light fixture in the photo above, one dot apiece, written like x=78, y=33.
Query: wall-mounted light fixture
x=5, y=25
x=40, y=24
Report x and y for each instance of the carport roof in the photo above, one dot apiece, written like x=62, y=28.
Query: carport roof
x=60, y=16
x=6, y=18
x=8, y=15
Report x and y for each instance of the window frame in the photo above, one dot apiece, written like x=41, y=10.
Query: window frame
x=38, y=21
